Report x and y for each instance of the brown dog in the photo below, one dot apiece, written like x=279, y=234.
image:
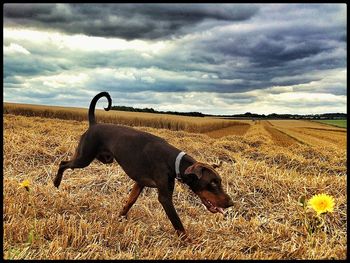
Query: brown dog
x=148, y=160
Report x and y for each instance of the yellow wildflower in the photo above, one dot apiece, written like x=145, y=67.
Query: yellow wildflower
x=322, y=203
x=25, y=184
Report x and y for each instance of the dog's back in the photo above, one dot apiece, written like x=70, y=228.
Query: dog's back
x=137, y=152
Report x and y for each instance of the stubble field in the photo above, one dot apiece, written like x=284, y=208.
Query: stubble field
x=267, y=166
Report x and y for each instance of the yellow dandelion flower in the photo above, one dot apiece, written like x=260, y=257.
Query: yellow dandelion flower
x=322, y=203
x=25, y=184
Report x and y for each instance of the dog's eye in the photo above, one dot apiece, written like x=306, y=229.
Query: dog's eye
x=213, y=184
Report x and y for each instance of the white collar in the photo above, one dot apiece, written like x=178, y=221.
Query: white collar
x=177, y=164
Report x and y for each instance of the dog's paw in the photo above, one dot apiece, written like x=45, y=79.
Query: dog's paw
x=56, y=183
x=184, y=237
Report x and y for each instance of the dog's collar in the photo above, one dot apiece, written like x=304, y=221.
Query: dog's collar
x=177, y=165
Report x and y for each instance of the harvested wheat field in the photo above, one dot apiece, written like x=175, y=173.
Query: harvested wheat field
x=162, y=121
x=268, y=167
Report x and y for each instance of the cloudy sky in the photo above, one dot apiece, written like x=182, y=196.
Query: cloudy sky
x=211, y=58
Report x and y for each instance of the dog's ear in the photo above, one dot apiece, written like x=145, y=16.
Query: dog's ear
x=195, y=169
x=192, y=174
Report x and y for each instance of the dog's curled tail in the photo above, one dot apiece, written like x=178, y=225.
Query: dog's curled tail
x=93, y=105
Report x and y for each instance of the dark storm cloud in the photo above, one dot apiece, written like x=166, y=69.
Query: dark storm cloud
x=271, y=53
x=269, y=49
x=128, y=21
x=28, y=66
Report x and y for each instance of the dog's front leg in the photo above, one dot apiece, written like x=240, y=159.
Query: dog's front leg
x=135, y=192
x=165, y=197
x=169, y=208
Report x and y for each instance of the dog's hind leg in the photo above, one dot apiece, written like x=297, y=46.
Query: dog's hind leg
x=84, y=155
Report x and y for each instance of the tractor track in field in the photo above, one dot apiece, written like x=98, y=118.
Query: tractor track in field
x=321, y=135
x=238, y=130
x=279, y=137
x=286, y=133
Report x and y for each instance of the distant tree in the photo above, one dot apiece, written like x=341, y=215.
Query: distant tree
x=151, y=110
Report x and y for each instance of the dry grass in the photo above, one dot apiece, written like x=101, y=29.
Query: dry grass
x=79, y=221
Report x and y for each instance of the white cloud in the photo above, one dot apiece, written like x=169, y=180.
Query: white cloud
x=64, y=79
x=85, y=43
x=304, y=97
x=14, y=48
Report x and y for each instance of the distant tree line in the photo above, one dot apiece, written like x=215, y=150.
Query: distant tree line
x=151, y=110
x=247, y=115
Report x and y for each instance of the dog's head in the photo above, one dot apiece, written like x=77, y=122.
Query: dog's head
x=206, y=183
